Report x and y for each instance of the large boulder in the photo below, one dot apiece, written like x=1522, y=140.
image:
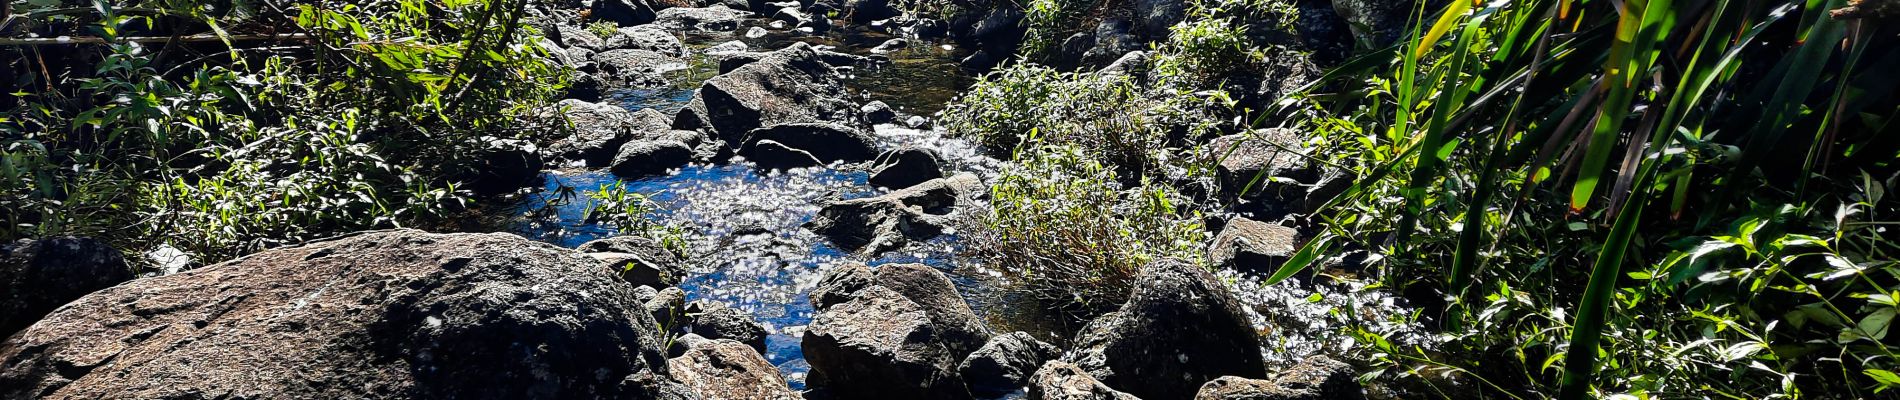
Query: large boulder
x=828, y=142
x=1059, y=380
x=646, y=37
x=639, y=68
x=643, y=158
x=638, y=260
x=1180, y=323
x=710, y=19
x=383, y=314
x=726, y=369
x=880, y=345
x=1005, y=364
x=791, y=85
x=1315, y=378
x=575, y=37
x=1266, y=164
x=1249, y=245
x=595, y=131
x=905, y=167
x=622, y=12
x=713, y=320
x=771, y=154
x=37, y=276
x=882, y=223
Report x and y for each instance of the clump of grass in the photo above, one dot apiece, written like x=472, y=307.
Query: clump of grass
x=603, y=29
x=1067, y=232
x=634, y=213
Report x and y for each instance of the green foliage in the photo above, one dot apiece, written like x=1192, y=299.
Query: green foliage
x=603, y=29
x=633, y=213
x=372, y=123
x=1108, y=117
x=1063, y=227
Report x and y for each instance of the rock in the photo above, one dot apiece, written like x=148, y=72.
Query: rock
x=877, y=112
x=1157, y=17
x=502, y=166
x=979, y=61
x=729, y=47
x=646, y=37
x=38, y=276
x=726, y=369
x=891, y=46
x=877, y=224
x=840, y=284
x=770, y=154
x=575, y=37
x=1180, y=323
x=668, y=308
x=1058, y=380
x=879, y=345
x=1252, y=159
x=865, y=11
x=1273, y=80
x=1113, y=40
x=1069, y=54
x=731, y=61
x=917, y=122
x=596, y=131
x=1374, y=23
x=622, y=12
x=1005, y=364
x=641, y=271
x=816, y=24
x=848, y=60
x=927, y=28
x=1000, y=25
x=905, y=167
x=1315, y=378
x=791, y=85
x=642, y=158
x=827, y=142
x=383, y=314
x=1254, y=246
x=583, y=86
x=714, y=320
x=955, y=323
x=1132, y=64
x=637, y=68
x=709, y=19
x=755, y=32
x=1332, y=183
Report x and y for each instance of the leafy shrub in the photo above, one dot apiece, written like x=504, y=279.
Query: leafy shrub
x=1069, y=233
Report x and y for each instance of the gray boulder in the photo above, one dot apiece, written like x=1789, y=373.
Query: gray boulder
x=500, y=166
x=877, y=224
x=726, y=369
x=714, y=320
x=384, y=314
x=877, y=112
x=638, y=260
x=1180, y=323
x=573, y=37
x=1266, y=164
x=622, y=12
x=880, y=345
x=1157, y=17
x=643, y=158
x=1005, y=364
x=1058, y=380
x=596, y=131
x=770, y=154
x=791, y=85
x=865, y=11
x=38, y=276
x=717, y=18
x=1250, y=245
x=646, y=37
x=638, y=68
x=905, y=167
x=828, y=142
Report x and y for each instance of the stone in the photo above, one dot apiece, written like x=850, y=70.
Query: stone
x=957, y=325
x=583, y=86
x=646, y=37
x=1113, y=40
x=713, y=320
x=1157, y=17
x=622, y=12
x=381, y=314
x=905, y=167
x=828, y=142
x=879, y=345
x=638, y=68
x=1179, y=322
x=668, y=308
x=1315, y=378
x=877, y=224
x=755, y=32
x=573, y=37
x=726, y=369
x=595, y=131
x=1253, y=246
x=840, y=284
x=709, y=19
x=891, y=46
x=643, y=158
x=877, y=112
x=1058, y=380
x=38, y=276
x=1005, y=364
x=729, y=47
x=1131, y=64
x=770, y=154
x=1268, y=164
x=790, y=85
x=1374, y=23
x=640, y=270
x=503, y=165
x=1332, y=183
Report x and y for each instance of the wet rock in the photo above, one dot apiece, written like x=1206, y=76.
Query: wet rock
x=905, y=167
x=646, y=37
x=1250, y=245
x=726, y=369
x=1005, y=364
x=385, y=314
x=1180, y=323
x=770, y=154
x=927, y=28
x=917, y=122
x=709, y=19
x=637, y=68
x=848, y=60
x=502, y=166
x=1315, y=378
x=1157, y=17
x=877, y=224
x=816, y=24
x=1268, y=164
x=596, y=131
x=877, y=112
x=639, y=271
x=890, y=46
x=642, y=158
x=1058, y=380
x=622, y=12
x=865, y=11
x=880, y=345
x=38, y=276
x=573, y=37
x=827, y=142
x=713, y=320
x=791, y=85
